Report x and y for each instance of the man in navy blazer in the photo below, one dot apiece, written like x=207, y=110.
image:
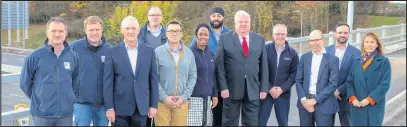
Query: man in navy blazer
x=346, y=54
x=316, y=81
x=130, y=85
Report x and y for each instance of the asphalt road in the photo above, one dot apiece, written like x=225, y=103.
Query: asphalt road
x=12, y=59
x=11, y=94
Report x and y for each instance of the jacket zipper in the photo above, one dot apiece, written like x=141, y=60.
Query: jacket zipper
x=176, y=73
x=206, y=63
x=275, y=75
x=97, y=76
x=59, y=99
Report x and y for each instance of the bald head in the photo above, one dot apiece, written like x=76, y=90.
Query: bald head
x=315, y=34
x=316, y=41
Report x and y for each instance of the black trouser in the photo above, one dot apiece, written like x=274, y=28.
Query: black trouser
x=249, y=109
x=149, y=122
x=135, y=120
x=217, y=112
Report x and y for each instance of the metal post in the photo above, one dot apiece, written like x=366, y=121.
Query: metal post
x=403, y=31
x=9, y=22
x=350, y=18
x=18, y=21
x=331, y=38
x=358, y=37
x=383, y=31
x=301, y=47
x=301, y=22
x=27, y=18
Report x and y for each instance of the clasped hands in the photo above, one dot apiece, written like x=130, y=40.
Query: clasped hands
x=362, y=103
x=309, y=104
x=174, y=101
x=275, y=92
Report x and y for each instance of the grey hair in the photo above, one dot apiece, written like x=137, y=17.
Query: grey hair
x=127, y=20
x=279, y=25
x=154, y=7
x=241, y=13
x=58, y=20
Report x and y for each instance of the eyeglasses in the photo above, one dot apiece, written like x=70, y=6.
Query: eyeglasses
x=315, y=40
x=174, y=32
x=155, y=15
x=280, y=34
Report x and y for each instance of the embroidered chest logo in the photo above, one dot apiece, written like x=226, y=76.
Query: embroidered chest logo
x=67, y=65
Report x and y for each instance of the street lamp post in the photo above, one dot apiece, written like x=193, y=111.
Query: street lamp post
x=301, y=29
x=301, y=20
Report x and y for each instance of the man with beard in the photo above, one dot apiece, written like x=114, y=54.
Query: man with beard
x=216, y=29
x=216, y=16
x=346, y=54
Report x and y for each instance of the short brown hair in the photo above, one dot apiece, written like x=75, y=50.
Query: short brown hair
x=92, y=20
x=58, y=20
x=376, y=38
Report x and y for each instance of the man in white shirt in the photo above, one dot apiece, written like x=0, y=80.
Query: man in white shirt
x=130, y=82
x=316, y=84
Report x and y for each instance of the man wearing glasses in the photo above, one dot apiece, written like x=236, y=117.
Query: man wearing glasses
x=282, y=63
x=153, y=33
x=177, y=77
x=316, y=82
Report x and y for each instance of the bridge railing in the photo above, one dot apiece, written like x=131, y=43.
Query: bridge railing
x=389, y=35
x=394, y=35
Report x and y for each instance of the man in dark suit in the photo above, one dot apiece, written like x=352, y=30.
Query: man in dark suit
x=316, y=81
x=242, y=71
x=346, y=54
x=130, y=85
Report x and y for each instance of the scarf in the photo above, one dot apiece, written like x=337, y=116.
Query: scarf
x=367, y=59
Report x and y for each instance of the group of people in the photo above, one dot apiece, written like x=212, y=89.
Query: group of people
x=151, y=77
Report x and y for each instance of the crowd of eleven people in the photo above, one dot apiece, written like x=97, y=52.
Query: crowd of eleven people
x=153, y=78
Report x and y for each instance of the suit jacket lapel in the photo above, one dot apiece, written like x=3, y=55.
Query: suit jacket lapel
x=359, y=72
x=236, y=40
x=370, y=69
x=125, y=58
x=345, y=57
x=307, y=70
x=139, y=58
x=322, y=66
x=251, y=40
x=331, y=49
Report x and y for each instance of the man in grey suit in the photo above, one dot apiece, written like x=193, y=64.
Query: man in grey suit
x=242, y=71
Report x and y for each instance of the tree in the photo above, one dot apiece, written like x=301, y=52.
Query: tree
x=138, y=9
x=113, y=24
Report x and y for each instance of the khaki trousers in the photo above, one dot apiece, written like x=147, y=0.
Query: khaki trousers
x=171, y=117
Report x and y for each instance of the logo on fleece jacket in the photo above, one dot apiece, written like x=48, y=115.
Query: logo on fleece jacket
x=67, y=65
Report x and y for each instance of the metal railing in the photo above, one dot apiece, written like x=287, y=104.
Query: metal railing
x=397, y=37
x=389, y=35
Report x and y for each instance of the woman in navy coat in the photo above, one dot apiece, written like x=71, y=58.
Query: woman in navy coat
x=368, y=83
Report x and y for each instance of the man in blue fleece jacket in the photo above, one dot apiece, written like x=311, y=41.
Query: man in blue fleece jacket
x=282, y=62
x=91, y=51
x=50, y=76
